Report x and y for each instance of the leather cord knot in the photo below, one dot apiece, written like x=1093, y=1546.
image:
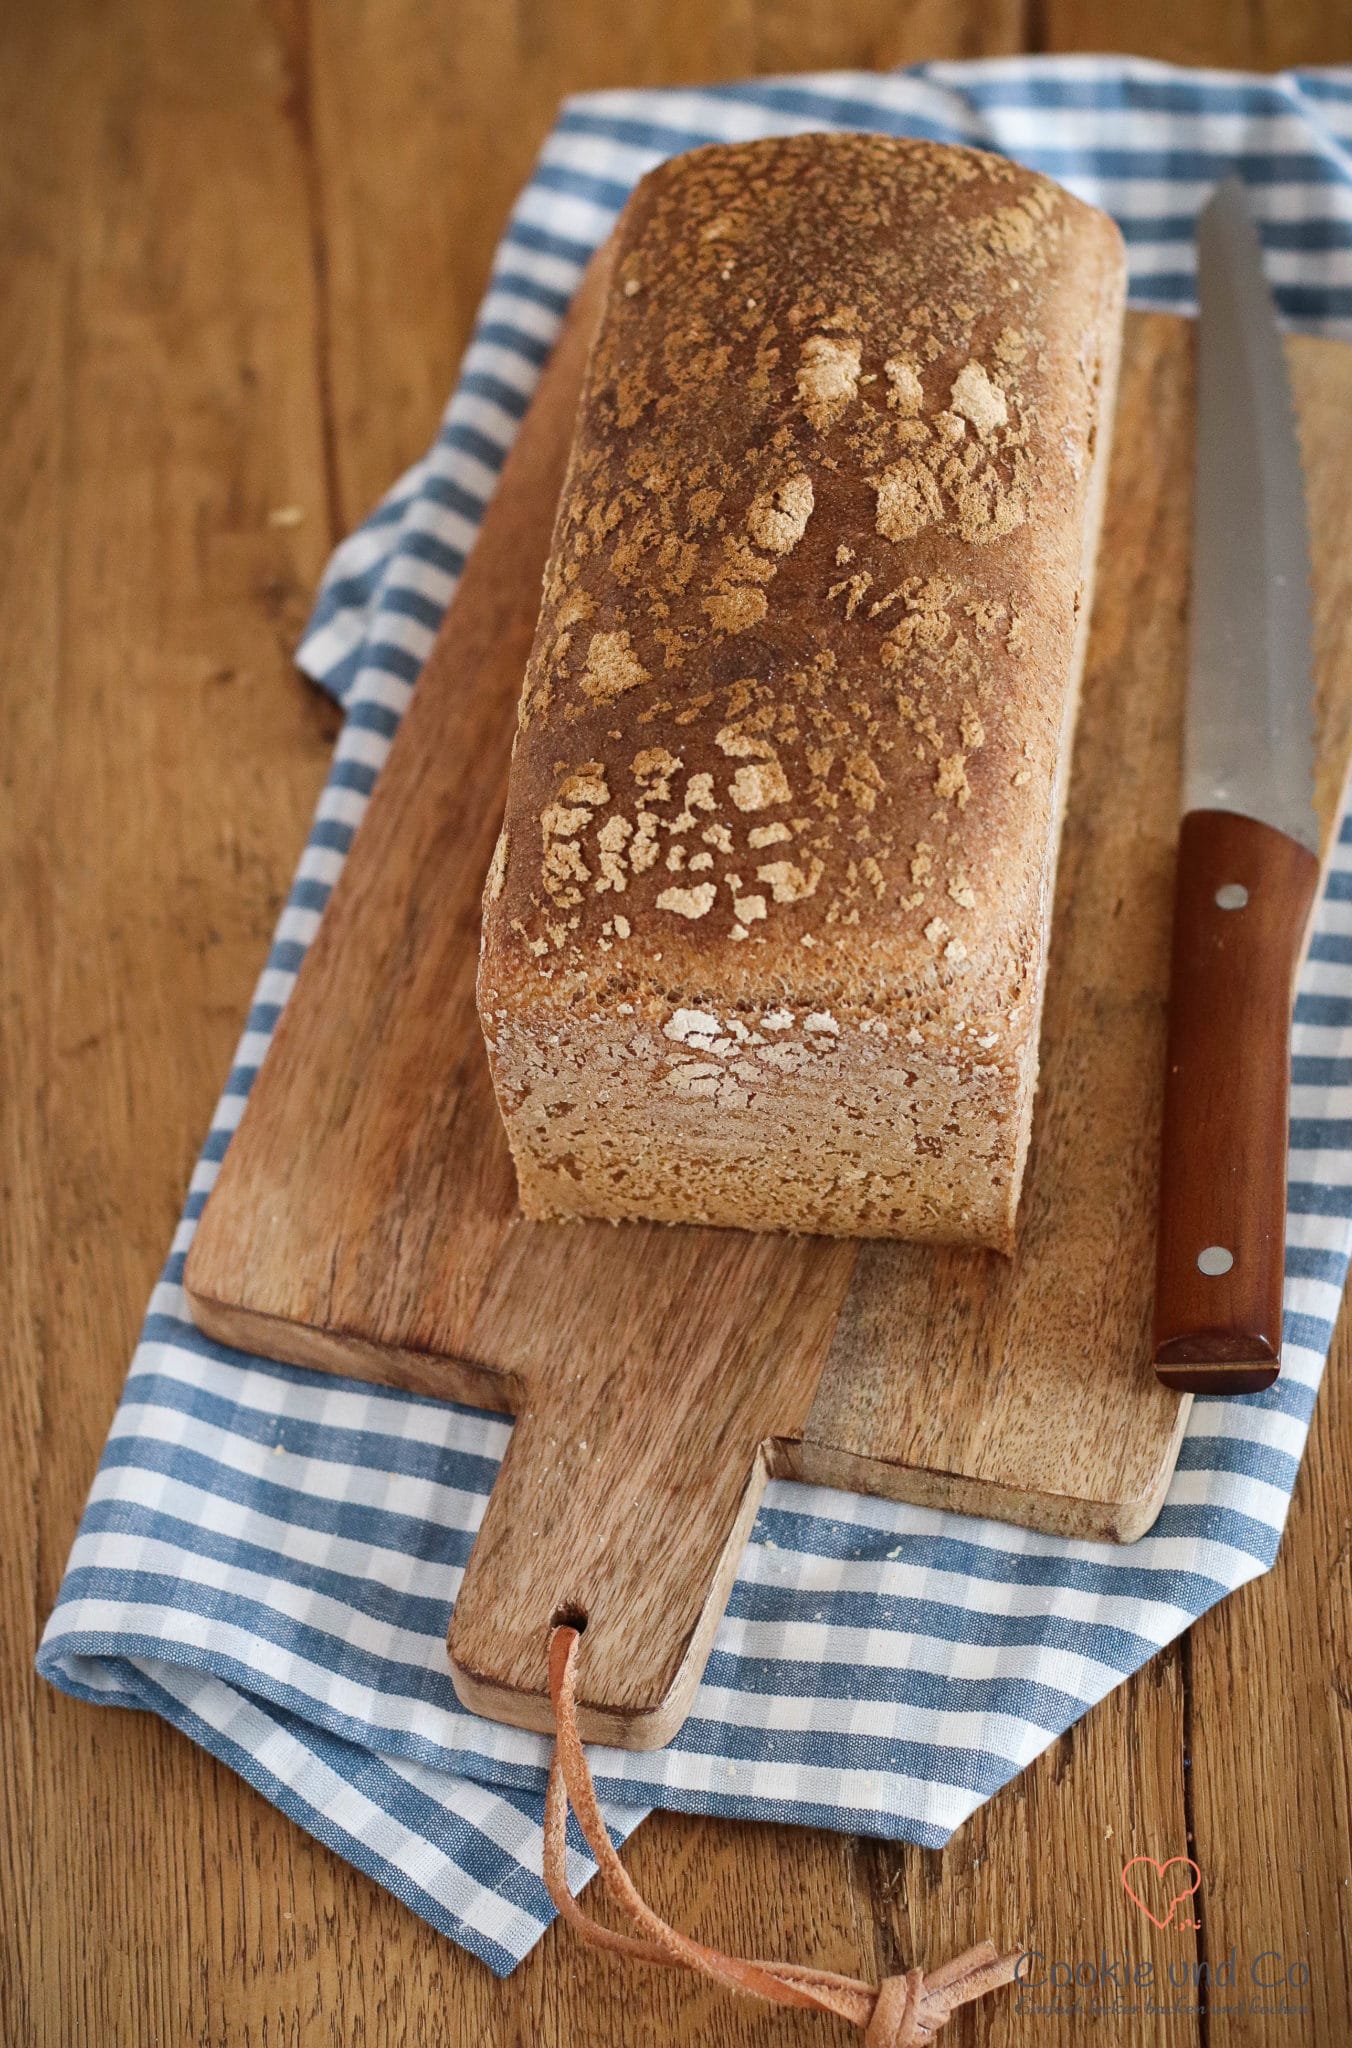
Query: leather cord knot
x=902, y=2012
x=896, y=2021
x=896, y=2018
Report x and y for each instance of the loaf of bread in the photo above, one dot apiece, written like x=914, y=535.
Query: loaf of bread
x=765, y=933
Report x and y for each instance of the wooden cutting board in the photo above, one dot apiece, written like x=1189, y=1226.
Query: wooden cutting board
x=364, y=1220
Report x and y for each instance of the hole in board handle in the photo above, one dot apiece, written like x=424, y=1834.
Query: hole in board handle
x=1214, y=1261
x=569, y=1615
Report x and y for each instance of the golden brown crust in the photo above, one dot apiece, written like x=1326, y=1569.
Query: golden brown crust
x=794, y=718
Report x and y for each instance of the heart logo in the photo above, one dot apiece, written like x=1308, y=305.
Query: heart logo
x=1180, y=1864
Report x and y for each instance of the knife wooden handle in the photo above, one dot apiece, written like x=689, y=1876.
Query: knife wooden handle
x=1241, y=905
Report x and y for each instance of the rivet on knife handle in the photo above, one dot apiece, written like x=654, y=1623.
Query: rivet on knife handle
x=1241, y=905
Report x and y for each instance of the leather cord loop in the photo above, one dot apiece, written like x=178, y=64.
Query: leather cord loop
x=902, y=2012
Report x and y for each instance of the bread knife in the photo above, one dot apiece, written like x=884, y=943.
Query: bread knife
x=1248, y=850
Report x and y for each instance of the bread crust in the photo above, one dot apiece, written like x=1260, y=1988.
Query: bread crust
x=794, y=732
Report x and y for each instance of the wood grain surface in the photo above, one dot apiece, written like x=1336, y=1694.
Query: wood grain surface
x=241, y=247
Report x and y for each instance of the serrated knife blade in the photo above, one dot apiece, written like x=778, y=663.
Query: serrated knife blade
x=1249, y=732
x=1248, y=847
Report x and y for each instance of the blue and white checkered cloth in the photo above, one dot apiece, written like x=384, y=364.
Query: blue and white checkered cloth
x=269, y=1557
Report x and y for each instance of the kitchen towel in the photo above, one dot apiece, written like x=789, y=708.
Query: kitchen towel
x=269, y=1557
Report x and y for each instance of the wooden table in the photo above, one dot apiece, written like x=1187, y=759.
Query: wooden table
x=242, y=245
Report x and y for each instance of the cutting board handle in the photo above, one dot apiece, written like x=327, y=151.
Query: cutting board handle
x=573, y=1532
x=629, y=1488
